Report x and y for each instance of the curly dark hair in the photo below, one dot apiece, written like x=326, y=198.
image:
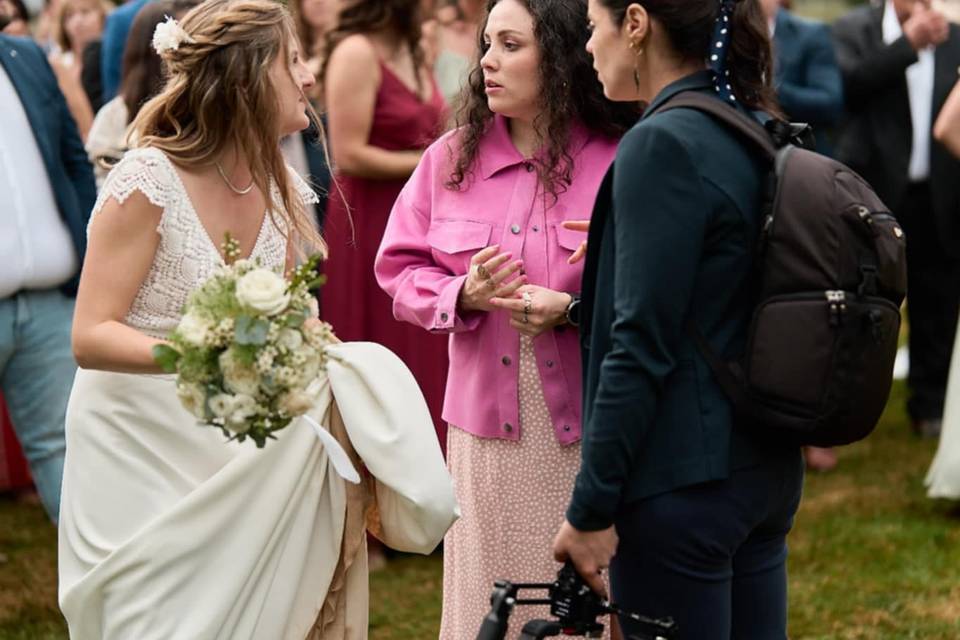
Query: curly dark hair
x=570, y=91
x=401, y=17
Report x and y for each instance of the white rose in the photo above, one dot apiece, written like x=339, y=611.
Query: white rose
x=263, y=291
x=221, y=405
x=244, y=408
x=195, y=329
x=291, y=339
x=296, y=403
x=314, y=307
x=236, y=377
x=193, y=399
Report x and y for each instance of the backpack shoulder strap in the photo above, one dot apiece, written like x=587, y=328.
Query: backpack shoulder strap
x=748, y=128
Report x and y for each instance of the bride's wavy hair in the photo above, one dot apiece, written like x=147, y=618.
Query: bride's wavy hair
x=218, y=92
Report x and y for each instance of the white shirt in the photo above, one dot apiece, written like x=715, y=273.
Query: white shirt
x=920, y=87
x=36, y=250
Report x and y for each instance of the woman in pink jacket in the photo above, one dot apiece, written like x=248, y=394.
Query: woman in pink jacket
x=475, y=248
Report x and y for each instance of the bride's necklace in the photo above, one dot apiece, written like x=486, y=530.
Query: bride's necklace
x=230, y=185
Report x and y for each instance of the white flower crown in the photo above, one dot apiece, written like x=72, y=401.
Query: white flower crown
x=169, y=35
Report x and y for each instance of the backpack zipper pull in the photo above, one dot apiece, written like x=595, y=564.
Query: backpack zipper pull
x=838, y=306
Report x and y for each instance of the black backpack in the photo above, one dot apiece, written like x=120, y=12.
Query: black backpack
x=831, y=274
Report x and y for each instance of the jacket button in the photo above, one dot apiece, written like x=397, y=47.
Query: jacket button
x=507, y=427
x=528, y=166
x=515, y=229
x=566, y=427
x=443, y=317
x=505, y=360
x=536, y=228
x=549, y=364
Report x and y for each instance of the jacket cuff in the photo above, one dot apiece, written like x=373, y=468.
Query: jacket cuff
x=446, y=319
x=584, y=517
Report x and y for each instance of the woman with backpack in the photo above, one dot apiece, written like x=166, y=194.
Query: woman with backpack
x=689, y=512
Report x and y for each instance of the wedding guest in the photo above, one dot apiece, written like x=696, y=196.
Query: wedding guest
x=46, y=194
x=807, y=78
x=79, y=23
x=14, y=12
x=899, y=62
x=474, y=249
x=303, y=150
x=383, y=109
x=687, y=511
x=943, y=478
x=142, y=79
x=455, y=39
x=114, y=41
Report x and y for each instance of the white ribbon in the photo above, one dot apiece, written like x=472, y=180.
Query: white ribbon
x=338, y=457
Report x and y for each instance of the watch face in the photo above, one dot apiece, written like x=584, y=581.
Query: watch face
x=573, y=312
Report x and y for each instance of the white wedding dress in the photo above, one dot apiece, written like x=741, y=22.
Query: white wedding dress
x=943, y=478
x=168, y=531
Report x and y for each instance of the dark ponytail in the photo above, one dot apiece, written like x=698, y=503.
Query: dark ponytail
x=689, y=25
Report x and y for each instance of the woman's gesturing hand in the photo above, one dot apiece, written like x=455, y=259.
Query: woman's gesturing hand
x=577, y=225
x=490, y=277
x=534, y=309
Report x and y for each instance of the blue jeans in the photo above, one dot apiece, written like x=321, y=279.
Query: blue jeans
x=712, y=556
x=36, y=374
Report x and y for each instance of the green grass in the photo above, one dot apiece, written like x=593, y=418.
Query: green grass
x=871, y=557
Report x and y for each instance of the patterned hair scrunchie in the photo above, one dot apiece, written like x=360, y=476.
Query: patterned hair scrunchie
x=718, y=52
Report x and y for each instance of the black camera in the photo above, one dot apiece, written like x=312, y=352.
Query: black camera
x=573, y=604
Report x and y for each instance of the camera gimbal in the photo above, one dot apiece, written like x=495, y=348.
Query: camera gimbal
x=574, y=605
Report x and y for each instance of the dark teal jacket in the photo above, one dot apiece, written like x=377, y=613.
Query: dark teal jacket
x=68, y=169
x=672, y=237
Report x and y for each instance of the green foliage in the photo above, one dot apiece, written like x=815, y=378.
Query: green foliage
x=167, y=357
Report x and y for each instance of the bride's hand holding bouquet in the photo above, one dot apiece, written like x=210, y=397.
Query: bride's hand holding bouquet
x=248, y=347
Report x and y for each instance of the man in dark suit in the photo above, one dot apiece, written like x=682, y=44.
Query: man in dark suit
x=807, y=79
x=899, y=61
x=46, y=194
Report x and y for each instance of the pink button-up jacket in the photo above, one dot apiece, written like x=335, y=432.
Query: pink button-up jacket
x=423, y=261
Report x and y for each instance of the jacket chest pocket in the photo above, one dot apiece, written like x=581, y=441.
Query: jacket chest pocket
x=563, y=275
x=453, y=242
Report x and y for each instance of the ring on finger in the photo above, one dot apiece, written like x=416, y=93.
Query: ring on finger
x=482, y=273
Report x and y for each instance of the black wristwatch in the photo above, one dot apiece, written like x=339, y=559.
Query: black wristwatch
x=572, y=313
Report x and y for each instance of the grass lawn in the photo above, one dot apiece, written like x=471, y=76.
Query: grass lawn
x=871, y=557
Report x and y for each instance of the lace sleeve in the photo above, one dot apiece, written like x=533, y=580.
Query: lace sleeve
x=143, y=170
x=307, y=195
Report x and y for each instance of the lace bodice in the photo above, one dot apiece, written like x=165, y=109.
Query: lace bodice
x=186, y=255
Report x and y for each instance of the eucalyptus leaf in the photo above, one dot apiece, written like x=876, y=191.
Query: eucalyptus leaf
x=250, y=330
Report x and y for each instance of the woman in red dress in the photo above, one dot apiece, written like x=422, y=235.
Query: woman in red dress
x=383, y=109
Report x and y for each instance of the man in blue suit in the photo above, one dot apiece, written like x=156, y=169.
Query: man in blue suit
x=808, y=81
x=46, y=194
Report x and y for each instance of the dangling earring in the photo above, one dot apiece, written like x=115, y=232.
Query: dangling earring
x=638, y=50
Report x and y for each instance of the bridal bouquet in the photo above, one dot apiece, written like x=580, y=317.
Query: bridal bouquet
x=244, y=353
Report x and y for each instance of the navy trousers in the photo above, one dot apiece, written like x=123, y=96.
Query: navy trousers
x=712, y=556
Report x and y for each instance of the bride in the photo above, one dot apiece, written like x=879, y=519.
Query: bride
x=166, y=529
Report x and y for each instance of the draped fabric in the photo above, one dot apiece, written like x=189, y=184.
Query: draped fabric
x=169, y=531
